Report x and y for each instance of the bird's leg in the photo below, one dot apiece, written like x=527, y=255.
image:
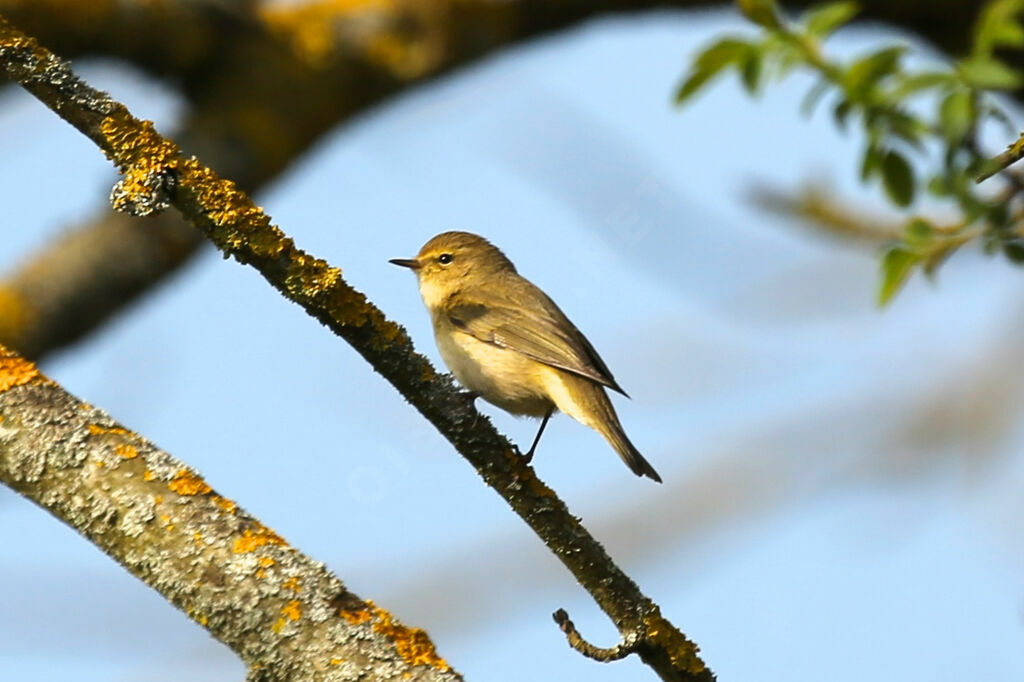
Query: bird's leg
x=536, y=439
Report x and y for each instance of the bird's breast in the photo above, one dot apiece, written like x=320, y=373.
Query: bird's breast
x=502, y=377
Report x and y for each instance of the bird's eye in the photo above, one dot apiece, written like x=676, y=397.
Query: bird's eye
x=445, y=258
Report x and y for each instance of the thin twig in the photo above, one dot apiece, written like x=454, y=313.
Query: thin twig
x=1013, y=154
x=629, y=644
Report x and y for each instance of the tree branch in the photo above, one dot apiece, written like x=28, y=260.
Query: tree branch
x=165, y=37
x=816, y=205
x=240, y=229
x=83, y=277
x=284, y=614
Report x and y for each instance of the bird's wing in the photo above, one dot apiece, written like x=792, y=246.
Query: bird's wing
x=529, y=322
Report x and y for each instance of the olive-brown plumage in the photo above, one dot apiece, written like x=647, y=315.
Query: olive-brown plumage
x=505, y=340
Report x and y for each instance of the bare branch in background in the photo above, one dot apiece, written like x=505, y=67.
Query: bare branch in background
x=819, y=207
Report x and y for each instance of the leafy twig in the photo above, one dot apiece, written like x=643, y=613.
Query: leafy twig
x=877, y=90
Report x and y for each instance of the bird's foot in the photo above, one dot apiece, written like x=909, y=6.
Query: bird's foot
x=526, y=457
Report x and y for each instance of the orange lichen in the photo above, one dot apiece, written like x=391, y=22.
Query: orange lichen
x=228, y=207
x=292, y=610
x=356, y=616
x=253, y=539
x=126, y=451
x=135, y=146
x=291, y=584
x=278, y=626
x=97, y=430
x=682, y=652
x=337, y=661
x=15, y=370
x=413, y=644
x=224, y=503
x=266, y=562
x=148, y=475
x=186, y=482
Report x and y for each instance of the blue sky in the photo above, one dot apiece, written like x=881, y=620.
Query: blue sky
x=841, y=483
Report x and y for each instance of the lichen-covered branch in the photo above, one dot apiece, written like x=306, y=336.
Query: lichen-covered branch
x=284, y=614
x=155, y=170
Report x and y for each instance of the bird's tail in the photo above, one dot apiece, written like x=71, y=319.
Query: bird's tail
x=629, y=454
x=608, y=425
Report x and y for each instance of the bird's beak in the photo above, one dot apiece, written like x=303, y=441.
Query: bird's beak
x=411, y=263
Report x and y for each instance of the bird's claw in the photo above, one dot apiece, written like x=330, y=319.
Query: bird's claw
x=526, y=457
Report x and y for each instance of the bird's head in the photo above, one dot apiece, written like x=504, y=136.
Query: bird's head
x=452, y=261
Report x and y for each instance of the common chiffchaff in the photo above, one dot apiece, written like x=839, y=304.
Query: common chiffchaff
x=507, y=342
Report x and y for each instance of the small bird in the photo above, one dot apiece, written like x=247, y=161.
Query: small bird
x=507, y=342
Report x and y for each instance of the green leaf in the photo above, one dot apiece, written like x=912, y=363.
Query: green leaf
x=911, y=84
x=842, y=112
x=761, y=12
x=906, y=127
x=989, y=74
x=998, y=26
x=956, y=114
x=991, y=110
x=750, y=71
x=871, y=162
x=918, y=234
x=693, y=83
x=897, y=178
x=865, y=73
x=939, y=186
x=1014, y=250
x=823, y=20
x=814, y=96
x=897, y=265
x=710, y=63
